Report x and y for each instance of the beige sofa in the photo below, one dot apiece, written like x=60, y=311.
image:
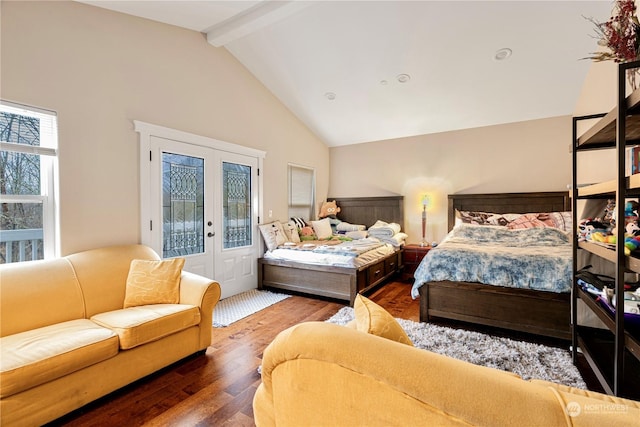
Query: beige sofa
x=66, y=339
x=321, y=374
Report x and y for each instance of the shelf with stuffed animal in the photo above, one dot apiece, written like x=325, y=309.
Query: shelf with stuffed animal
x=603, y=231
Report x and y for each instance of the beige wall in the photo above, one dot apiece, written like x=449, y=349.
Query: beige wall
x=100, y=70
x=598, y=95
x=525, y=156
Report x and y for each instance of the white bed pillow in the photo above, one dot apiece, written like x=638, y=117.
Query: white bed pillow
x=322, y=228
x=345, y=226
x=356, y=235
x=273, y=234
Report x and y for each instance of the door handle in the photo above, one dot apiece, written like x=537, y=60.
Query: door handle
x=210, y=234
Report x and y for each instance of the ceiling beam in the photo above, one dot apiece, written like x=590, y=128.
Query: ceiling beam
x=255, y=18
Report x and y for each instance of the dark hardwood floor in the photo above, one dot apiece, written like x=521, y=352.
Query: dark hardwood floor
x=218, y=387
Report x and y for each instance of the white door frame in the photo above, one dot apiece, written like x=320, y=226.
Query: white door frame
x=146, y=131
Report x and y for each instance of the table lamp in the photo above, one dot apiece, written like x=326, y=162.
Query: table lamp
x=425, y=204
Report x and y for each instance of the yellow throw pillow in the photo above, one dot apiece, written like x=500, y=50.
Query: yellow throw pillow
x=153, y=282
x=375, y=320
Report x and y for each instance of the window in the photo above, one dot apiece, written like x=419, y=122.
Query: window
x=301, y=192
x=28, y=143
x=236, y=205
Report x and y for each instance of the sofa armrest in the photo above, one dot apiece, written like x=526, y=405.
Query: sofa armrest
x=587, y=393
x=597, y=408
x=204, y=293
x=319, y=373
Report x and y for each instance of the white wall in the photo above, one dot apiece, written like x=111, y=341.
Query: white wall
x=517, y=157
x=100, y=70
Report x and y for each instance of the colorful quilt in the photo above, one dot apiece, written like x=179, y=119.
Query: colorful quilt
x=529, y=258
x=350, y=248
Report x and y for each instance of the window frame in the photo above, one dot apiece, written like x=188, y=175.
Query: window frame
x=48, y=155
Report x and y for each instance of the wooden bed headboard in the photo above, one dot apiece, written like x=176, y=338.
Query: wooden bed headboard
x=549, y=201
x=367, y=210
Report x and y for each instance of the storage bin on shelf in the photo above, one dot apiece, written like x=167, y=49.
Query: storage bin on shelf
x=631, y=320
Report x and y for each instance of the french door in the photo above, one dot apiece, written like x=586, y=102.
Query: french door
x=203, y=207
x=182, y=213
x=236, y=207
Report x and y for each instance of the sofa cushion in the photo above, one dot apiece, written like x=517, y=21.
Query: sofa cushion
x=375, y=320
x=35, y=357
x=139, y=325
x=36, y=294
x=153, y=282
x=102, y=269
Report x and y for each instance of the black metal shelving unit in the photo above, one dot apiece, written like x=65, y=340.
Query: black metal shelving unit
x=612, y=353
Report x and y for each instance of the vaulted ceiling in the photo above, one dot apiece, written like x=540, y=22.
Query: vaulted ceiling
x=360, y=71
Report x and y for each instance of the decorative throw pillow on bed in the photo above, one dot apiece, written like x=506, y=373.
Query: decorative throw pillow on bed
x=307, y=233
x=375, y=320
x=291, y=232
x=514, y=221
x=560, y=220
x=299, y=222
x=273, y=234
x=484, y=218
x=153, y=282
x=322, y=228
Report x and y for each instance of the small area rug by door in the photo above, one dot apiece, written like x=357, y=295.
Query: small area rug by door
x=236, y=307
x=523, y=358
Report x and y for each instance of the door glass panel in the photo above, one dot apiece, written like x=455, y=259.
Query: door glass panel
x=236, y=205
x=182, y=205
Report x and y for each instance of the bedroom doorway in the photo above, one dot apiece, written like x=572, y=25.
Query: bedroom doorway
x=201, y=203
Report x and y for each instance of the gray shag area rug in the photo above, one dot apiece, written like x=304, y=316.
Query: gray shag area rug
x=526, y=359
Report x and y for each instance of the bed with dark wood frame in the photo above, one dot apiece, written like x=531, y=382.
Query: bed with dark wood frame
x=342, y=283
x=536, y=312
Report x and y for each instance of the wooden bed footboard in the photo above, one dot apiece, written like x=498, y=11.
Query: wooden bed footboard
x=330, y=282
x=524, y=310
x=341, y=283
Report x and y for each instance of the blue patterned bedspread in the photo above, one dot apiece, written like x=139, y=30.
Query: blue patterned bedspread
x=531, y=258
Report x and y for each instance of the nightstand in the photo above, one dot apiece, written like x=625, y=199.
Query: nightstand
x=411, y=257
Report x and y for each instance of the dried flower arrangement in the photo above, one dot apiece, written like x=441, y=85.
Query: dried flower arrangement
x=620, y=34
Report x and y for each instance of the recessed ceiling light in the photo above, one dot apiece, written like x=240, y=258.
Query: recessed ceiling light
x=330, y=96
x=403, y=78
x=502, y=54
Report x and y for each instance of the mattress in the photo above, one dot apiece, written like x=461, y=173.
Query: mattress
x=353, y=254
x=532, y=258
